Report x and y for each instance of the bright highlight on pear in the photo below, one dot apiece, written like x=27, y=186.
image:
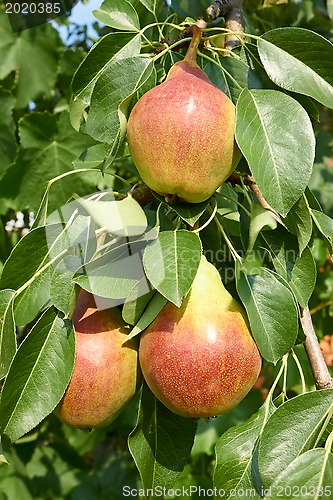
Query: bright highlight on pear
x=105, y=375
x=200, y=360
x=181, y=133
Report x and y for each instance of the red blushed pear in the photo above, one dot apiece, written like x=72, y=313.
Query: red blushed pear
x=105, y=375
x=200, y=360
x=181, y=133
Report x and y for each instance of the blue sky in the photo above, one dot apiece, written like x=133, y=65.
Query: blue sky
x=82, y=15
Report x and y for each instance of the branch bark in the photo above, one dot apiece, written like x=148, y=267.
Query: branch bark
x=232, y=11
x=323, y=379
x=248, y=180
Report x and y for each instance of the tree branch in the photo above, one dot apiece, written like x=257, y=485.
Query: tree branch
x=322, y=376
x=248, y=180
x=184, y=34
x=232, y=11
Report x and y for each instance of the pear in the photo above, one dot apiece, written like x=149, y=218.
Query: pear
x=181, y=133
x=200, y=360
x=105, y=375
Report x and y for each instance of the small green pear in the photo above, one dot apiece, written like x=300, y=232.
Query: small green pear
x=181, y=133
x=105, y=375
x=200, y=360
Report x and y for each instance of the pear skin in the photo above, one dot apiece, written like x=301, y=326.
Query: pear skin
x=105, y=375
x=200, y=360
x=181, y=133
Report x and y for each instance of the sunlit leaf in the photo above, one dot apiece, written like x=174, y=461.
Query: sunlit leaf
x=299, y=60
x=38, y=376
x=171, y=263
x=160, y=443
x=275, y=134
x=274, y=329
x=291, y=431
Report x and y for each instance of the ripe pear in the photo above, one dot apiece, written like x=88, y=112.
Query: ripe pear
x=181, y=133
x=200, y=360
x=105, y=375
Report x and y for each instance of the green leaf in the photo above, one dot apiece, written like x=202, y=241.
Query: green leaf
x=41, y=45
x=7, y=129
x=281, y=168
x=70, y=59
x=233, y=76
x=160, y=443
x=49, y=144
x=310, y=106
x=189, y=212
x=330, y=8
x=322, y=176
x=299, y=222
x=25, y=261
x=311, y=200
x=118, y=82
x=3, y=459
x=299, y=271
x=274, y=328
x=121, y=218
x=107, y=50
x=310, y=476
x=62, y=288
x=154, y=307
x=114, y=274
x=324, y=224
x=38, y=376
x=299, y=60
x=291, y=431
x=192, y=8
x=171, y=263
x=118, y=14
x=236, y=453
x=92, y=157
x=260, y=218
x=77, y=235
x=36, y=253
x=149, y=4
x=137, y=301
x=7, y=331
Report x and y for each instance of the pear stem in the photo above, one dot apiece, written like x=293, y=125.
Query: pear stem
x=191, y=54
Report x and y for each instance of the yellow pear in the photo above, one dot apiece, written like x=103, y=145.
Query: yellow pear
x=181, y=133
x=200, y=360
x=105, y=375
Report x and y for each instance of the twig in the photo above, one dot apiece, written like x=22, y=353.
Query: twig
x=248, y=180
x=232, y=11
x=321, y=306
x=255, y=189
x=323, y=379
x=184, y=34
